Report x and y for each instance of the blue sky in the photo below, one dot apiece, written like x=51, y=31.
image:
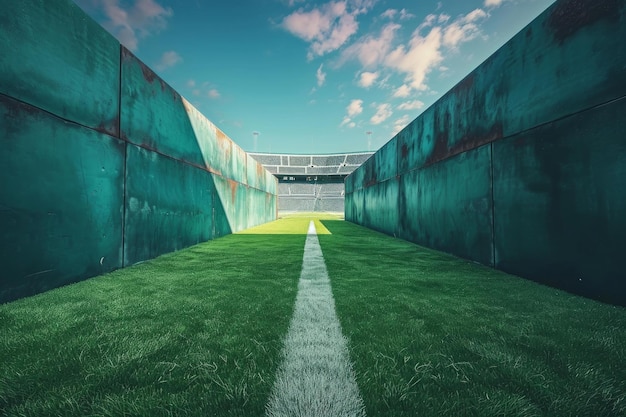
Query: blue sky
x=300, y=76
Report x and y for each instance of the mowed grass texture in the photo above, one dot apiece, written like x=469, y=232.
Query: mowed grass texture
x=434, y=335
x=194, y=333
x=200, y=333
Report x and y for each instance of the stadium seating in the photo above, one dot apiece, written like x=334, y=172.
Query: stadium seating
x=311, y=182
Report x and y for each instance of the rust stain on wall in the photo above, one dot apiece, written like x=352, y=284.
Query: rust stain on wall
x=260, y=171
x=471, y=140
x=404, y=151
x=233, y=189
x=224, y=142
x=440, y=150
x=474, y=140
x=110, y=127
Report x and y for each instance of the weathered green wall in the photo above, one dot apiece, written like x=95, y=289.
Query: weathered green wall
x=521, y=165
x=103, y=163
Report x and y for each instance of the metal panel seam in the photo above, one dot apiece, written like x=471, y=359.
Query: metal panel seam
x=493, y=210
x=119, y=134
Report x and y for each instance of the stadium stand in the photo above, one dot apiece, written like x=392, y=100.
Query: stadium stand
x=311, y=182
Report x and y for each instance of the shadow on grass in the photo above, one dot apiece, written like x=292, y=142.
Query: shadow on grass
x=432, y=334
x=196, y=332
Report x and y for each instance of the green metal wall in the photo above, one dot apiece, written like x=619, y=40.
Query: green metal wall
x=103, y=163
x=61, y=197
x=521, y=165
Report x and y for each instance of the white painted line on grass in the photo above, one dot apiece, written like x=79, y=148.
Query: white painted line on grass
x=315, y=377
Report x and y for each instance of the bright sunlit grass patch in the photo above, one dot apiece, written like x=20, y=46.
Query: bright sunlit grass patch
x=296, y=224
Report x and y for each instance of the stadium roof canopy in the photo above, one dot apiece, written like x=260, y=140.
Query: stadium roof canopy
x=340, y=164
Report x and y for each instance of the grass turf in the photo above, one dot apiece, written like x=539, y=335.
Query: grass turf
x=435, y=335
x=199, y=332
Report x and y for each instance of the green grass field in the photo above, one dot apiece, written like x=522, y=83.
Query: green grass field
x=199, y=333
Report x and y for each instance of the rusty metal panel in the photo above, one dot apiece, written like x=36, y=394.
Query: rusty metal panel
x=60, y=201
x=447, y=206
x=568, y=59
x=255, y=175
x=385, y=162
x=56, y=58
x=219, y=153
x=261, y=207
x=560, y=200
x=348, y=184
x=169, y=205
x=153, y=114
x=239, y=164
x=354, y=206
x=232, y=202
x=409, y=204
x=358, y=175
x=349, y=207
x=380, y=206
x=271, y=183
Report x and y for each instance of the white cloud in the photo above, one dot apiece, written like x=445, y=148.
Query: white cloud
x=372, y=50
x=474, y=15
x=168, y=59
x=411, y=105
x=428, y=21
x=400, y=124
x=493, y=3
x=328, y=27
x=389, y=13
x=402, y=91
x=355, y=107
x=347, y=122
x=346, y=27
x=206, y=89
x=129, y=23
x=463, y=29
x=383, y=112
x=424, y=53
x=309, y=25
x=367, y=79
x=417, y=58
x=321, y=76
x=404, y=15
x=362, y=6
x=435, y=37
